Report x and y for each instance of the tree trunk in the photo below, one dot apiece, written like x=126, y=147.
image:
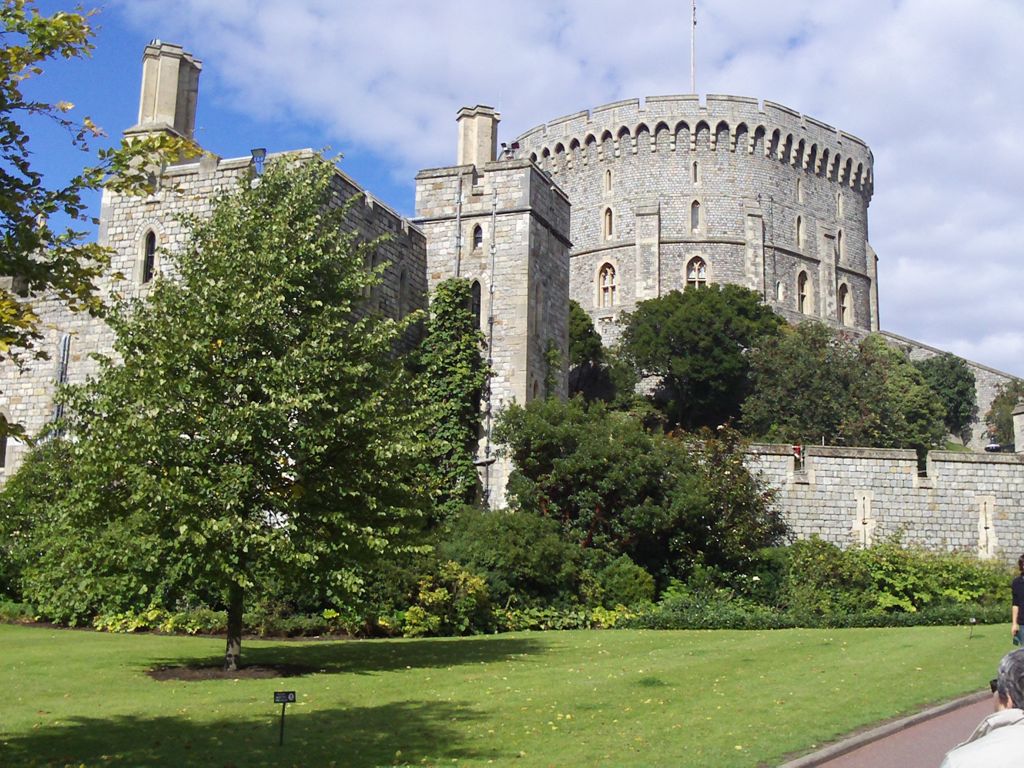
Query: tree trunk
x=233, y=654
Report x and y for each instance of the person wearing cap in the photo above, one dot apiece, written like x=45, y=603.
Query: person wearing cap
x=998, y=741
x=1017, y=607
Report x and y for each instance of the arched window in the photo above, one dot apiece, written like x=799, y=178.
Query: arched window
x=149, y=257
x=694, y=217
x=840, y=253
x=843, y=308
x=803, y=294
x=608, y=180
x=478, y=237
x=695, y=173
x=799, y=232
x=608, y=231
x=780, y=291
x=697, y=273
x=474, y=302
x=799, y=190
x=839, y=204
x=606, y=287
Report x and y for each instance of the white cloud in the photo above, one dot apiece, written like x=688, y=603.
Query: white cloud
x=933, y=86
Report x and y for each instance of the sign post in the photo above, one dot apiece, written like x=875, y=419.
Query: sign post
x=284, y=698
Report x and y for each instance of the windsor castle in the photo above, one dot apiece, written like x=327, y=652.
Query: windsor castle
x=609, y=207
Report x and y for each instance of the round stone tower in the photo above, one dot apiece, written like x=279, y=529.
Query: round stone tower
x=671, y=194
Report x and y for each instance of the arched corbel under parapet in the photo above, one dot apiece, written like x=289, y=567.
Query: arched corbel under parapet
x=740, y=139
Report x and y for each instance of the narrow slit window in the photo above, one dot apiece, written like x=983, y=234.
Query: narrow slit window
x=695, y=217
x=149, y=257
x=608, y=225
x=474, y=302
x=802, y=294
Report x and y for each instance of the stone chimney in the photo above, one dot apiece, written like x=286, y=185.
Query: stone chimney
x=1018, y=426
x=478, y=135
x=170, y=89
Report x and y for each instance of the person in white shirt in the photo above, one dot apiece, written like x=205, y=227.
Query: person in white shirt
x=998, y=741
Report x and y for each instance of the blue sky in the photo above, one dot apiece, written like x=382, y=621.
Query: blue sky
x=933, y=87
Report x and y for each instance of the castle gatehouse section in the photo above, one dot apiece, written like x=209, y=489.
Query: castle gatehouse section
x=673, y=193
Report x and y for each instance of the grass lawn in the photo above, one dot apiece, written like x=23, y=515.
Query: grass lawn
x=600, y=698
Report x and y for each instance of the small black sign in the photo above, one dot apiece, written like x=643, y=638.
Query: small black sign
x=284, y=697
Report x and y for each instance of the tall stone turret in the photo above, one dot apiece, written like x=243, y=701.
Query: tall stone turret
x=504, y=225
x=170, y=90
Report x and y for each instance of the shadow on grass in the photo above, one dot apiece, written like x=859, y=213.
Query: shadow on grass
x=356, y=657
x=406, y=733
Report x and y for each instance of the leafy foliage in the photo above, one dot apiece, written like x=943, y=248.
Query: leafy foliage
x=585, y=346
x=258, y=424
x=1000, y=414
x=696, y=343
x=523, y=556
x=38, y=256
x=624, y=582
x=953, y=381
x=454, y=373
x=453, y=601
x=618, y=489
x=810, y=384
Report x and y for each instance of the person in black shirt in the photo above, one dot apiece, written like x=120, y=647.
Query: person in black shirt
x=1017, y=610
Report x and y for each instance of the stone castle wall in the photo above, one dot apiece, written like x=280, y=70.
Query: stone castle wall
x=965, y=502
x=753, y=170
x=125, y=221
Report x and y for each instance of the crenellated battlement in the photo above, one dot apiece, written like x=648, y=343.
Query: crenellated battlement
x=683, y=124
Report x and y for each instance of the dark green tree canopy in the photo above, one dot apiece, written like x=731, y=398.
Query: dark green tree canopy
x=258, y=422
x=952, y=380
x=812, y=385
x=1000, y=414
x=697, y=343
x=666, y=501
x=585, y=346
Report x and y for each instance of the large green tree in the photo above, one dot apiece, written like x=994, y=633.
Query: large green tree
x=44, y=249
x=258, y=422
x=999, y=417
x=696, y=343
x=952, y=380
x=812, y=385
x=666, y=501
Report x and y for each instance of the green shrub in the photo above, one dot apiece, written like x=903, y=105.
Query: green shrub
x=823, y=580
x=453, y=601
x=909, y=580
x=625, y=583
x=522, y=555
x=543, y=618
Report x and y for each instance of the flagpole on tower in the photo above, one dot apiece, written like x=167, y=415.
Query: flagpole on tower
x=693, y=49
